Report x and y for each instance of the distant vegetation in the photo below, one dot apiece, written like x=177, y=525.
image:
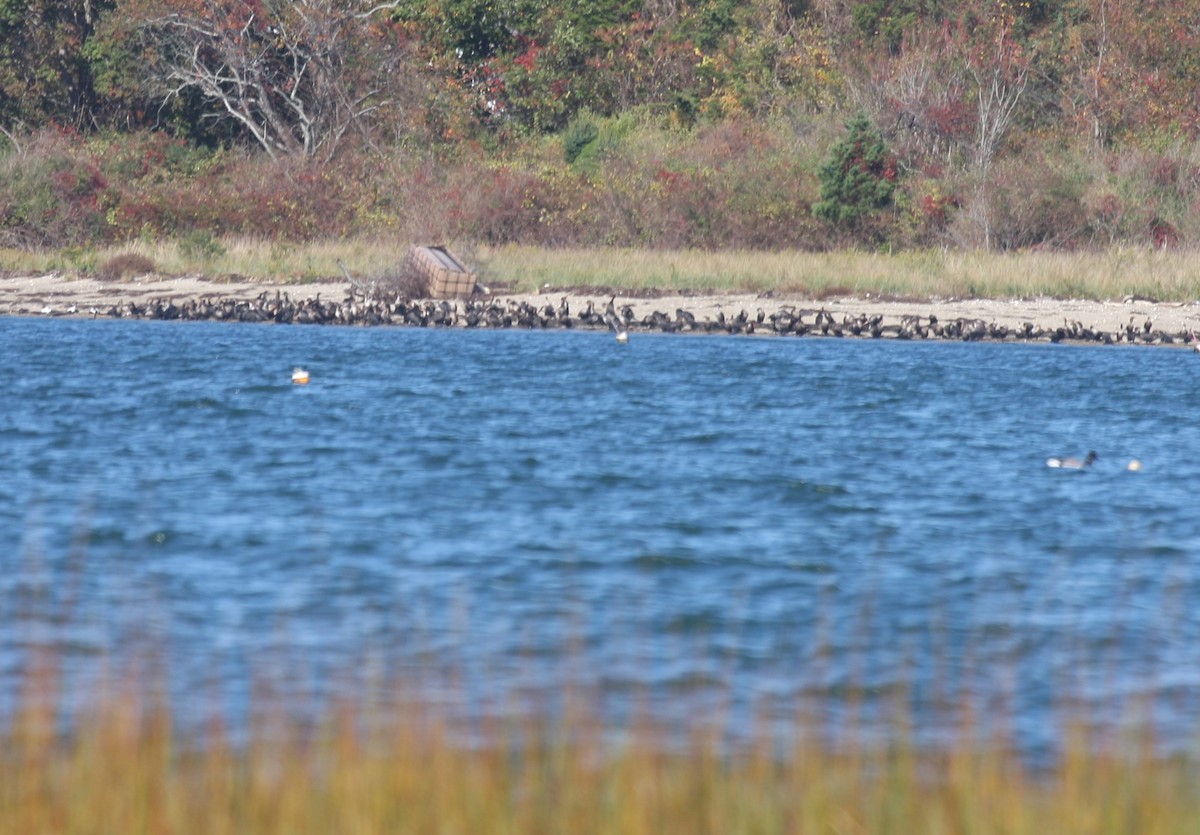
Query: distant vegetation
x=699, y=124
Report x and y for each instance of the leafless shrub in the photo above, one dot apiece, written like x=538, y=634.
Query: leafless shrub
x=403, y=282
x=1034, y=200
x=125, y=266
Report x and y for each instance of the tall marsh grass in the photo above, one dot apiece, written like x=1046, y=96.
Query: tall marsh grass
x=1159, y=274
x=400, y=765
x=1170, y=276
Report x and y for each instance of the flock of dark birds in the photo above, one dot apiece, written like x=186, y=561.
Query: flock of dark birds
x=787, y=320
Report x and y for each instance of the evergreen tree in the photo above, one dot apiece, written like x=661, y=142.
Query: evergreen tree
x=858, y=178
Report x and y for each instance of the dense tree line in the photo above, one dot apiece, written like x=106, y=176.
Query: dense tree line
x=1116, y=70
x=962, y=105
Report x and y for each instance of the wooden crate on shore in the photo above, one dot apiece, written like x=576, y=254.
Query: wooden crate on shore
x=446, y=276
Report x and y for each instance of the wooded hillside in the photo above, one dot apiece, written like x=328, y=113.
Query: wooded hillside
x=997, y=124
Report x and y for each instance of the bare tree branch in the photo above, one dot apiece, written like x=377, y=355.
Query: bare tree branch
x=11, y=137
x=395, y=4
x=997, y=94
x=292, y=75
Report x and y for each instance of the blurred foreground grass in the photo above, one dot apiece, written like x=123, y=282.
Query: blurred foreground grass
x=1161, y=274
x=401, y=766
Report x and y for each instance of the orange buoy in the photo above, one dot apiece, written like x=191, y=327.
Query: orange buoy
x=299, y=376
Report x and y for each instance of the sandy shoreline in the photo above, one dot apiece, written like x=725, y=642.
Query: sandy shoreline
x=88, y=297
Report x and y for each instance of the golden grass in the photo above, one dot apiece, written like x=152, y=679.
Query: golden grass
x=252, y=257
x=401, y=766
x=927, y=274
x=1165, y=275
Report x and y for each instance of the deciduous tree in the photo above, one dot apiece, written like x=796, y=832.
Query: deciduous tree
x=43, y=73
x=295, y=75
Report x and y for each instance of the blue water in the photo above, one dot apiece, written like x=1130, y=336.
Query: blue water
x=682, y=523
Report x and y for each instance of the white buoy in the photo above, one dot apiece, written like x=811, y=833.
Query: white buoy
x=623, y=337
x=1134, y=465
x=299, y=376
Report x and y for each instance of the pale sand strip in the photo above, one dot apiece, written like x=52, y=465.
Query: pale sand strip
x=56, y=295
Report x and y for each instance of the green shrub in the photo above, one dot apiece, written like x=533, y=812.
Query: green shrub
x=579, y=134
x=610, y=134
x=200, y=245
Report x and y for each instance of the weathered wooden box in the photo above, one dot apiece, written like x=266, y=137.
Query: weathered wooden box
x=446, y=276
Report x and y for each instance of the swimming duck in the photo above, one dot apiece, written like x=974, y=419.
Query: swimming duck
x=1072, y=463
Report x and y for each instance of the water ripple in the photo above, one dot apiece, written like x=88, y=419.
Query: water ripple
x=758, y=517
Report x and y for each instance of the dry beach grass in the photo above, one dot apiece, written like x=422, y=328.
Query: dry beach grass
x=1166, y=275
